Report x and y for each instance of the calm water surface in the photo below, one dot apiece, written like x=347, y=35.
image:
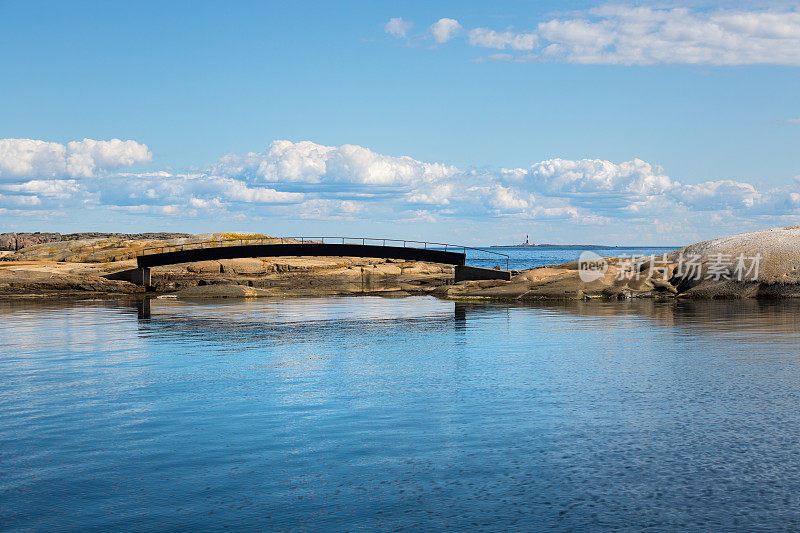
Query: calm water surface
x=520, y=258
x=410, y=414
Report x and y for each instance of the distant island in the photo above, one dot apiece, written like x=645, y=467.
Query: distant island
x=529, y=244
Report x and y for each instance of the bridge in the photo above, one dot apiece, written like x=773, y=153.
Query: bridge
x=429, y=252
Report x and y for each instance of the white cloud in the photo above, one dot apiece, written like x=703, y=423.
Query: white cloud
x=624, y=35
x=306, y=162
x=321, y=209
x=562, y=177
x=53, y=188
x=636, y=189
x=715, y=195
x=213, y=204
x=28, y=158
x=398, y=27
x=305, y=180
x=238, y=191
x=502, y=200
x=85, y=157
x=437, y=194
x=19, y=200
x=502, y=40
x=444, y=29
x=791, y=121
x=645, y=36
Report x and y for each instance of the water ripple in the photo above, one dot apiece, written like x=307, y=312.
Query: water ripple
x=417, y=413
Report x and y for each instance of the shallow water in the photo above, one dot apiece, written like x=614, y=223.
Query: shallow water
x=414, y=413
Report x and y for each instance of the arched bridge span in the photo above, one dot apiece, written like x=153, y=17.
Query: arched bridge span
x=313, y=246
x=297, y=249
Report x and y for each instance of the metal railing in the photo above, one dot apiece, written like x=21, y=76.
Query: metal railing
x=199, y=245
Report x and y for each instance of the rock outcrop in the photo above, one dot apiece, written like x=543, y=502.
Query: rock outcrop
x=108, y=247
x=761, y=264
x=17, y=241
x=622, y=279
x=758, y=264
x=39, y=282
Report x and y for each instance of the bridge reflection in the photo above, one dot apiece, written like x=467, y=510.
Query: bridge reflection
x=716, y=315
x=292, y=318
x=460, y=309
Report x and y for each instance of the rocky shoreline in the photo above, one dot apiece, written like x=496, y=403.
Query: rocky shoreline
x=762, y=264
x=18, y=241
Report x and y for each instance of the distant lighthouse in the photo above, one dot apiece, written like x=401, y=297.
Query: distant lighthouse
x=526, y=243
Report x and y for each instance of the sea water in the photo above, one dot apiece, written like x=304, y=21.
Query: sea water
x=399, y=414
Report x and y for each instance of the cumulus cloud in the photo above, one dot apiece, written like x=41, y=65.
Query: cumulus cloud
x=623, y=35
x=562, y=177
x=397, y=27
x=306, y=162
x=637, y=189
x=84, y=158
x=238, y=191
x=502, y=200
x=715, y=195
x=306, y=180
x=644, y=36
x=444, y=29
x=28, y=158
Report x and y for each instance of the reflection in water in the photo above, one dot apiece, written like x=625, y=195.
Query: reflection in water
x=412, y=413
x=143, y=308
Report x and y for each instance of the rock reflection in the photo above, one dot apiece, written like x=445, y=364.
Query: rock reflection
x=780, y=316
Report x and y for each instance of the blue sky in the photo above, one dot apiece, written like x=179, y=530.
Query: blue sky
x=475, y=122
